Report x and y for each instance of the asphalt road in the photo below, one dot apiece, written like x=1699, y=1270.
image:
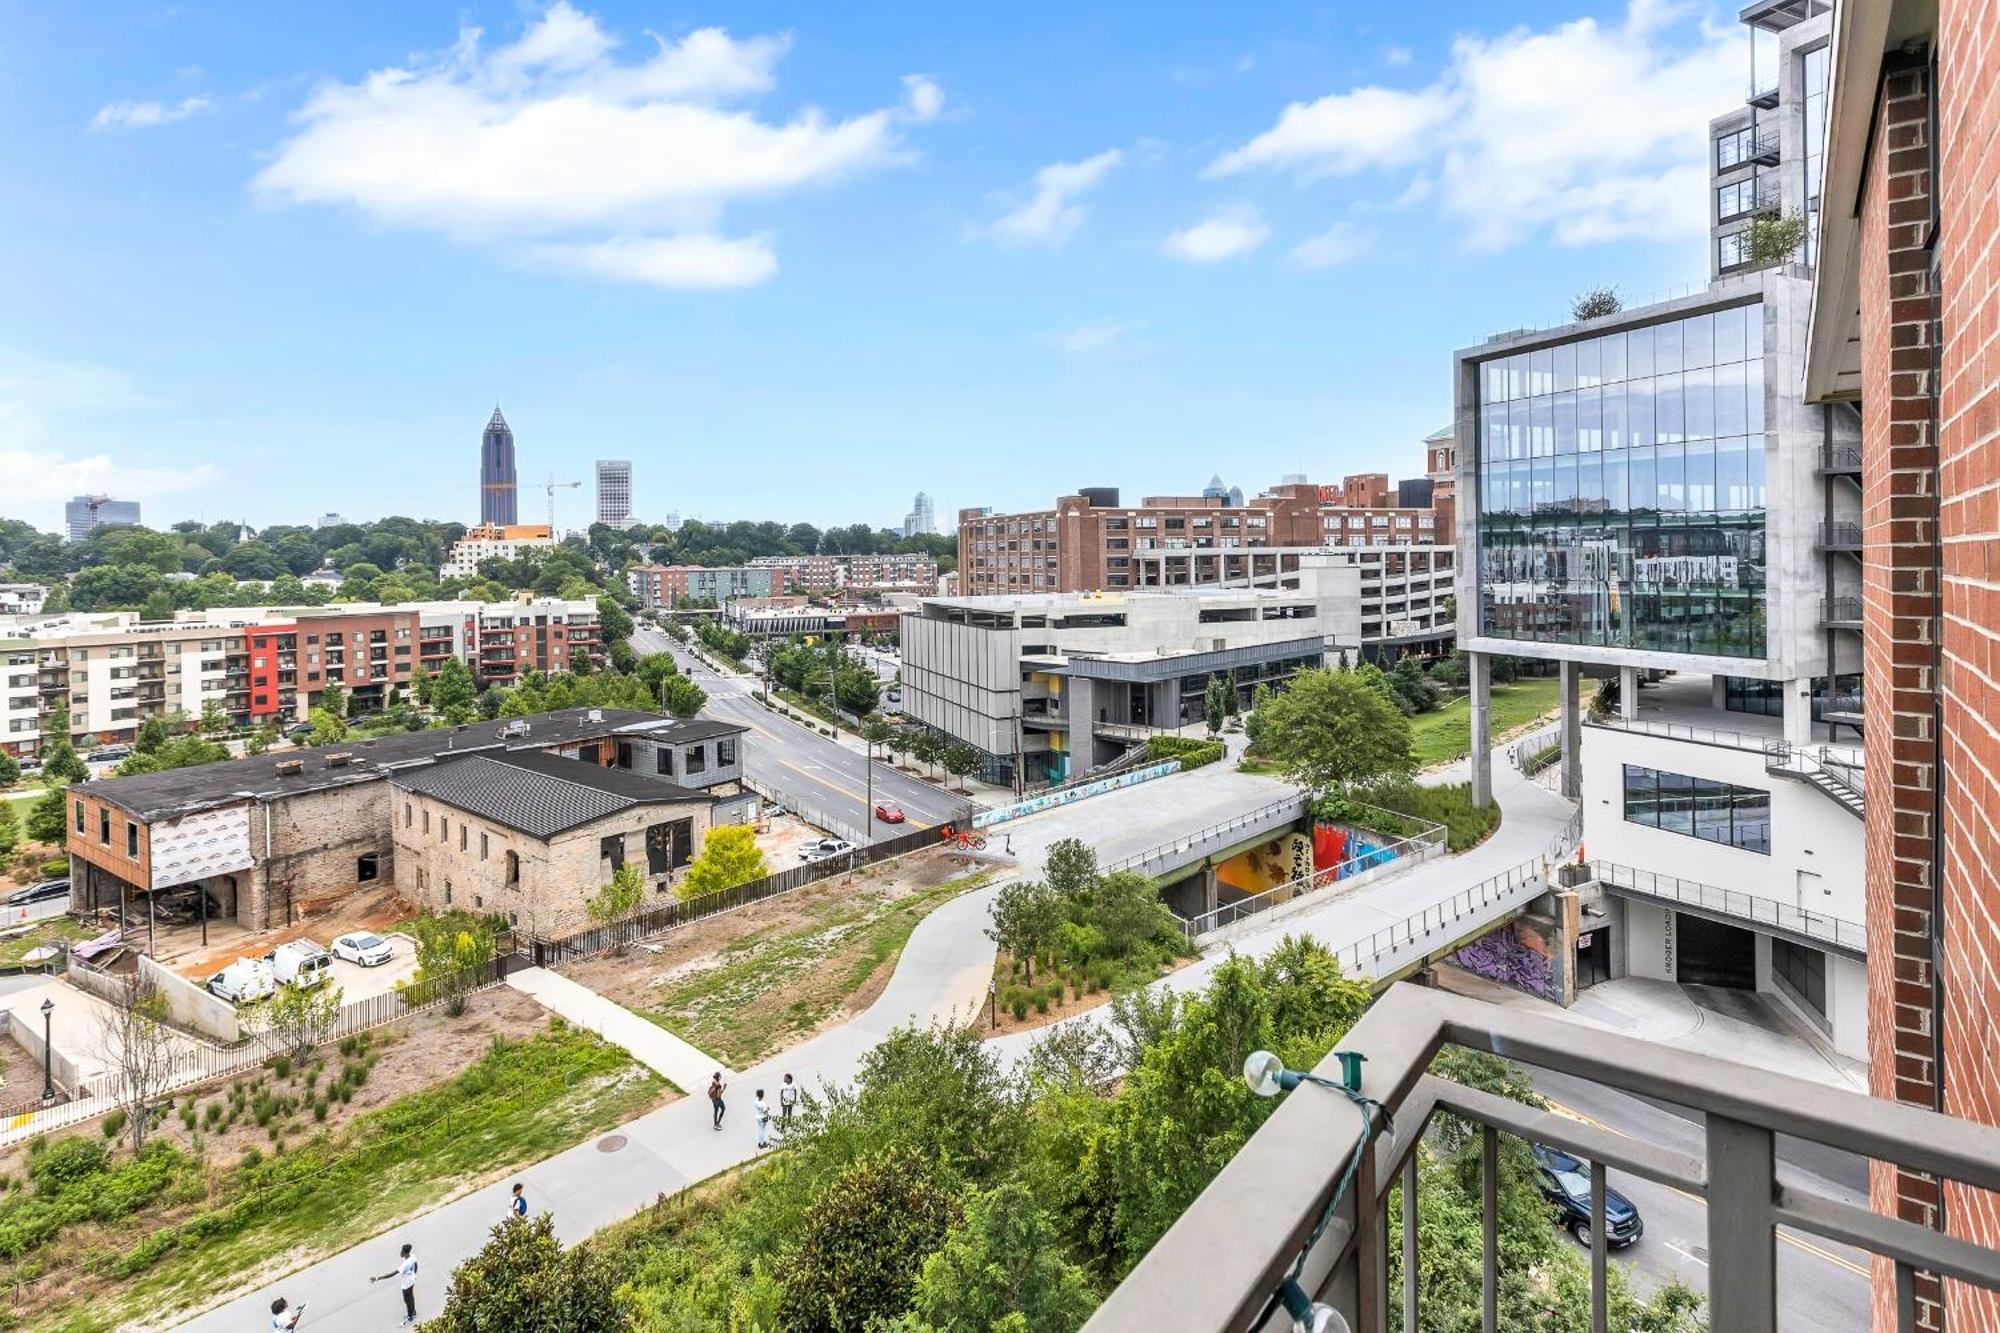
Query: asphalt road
x=812, y=772
x=1821, y=1284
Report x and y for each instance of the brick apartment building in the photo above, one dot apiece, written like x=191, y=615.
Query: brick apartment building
x=1090, y=542
x=1906, y=301
x=668, y=586
x=853, y=578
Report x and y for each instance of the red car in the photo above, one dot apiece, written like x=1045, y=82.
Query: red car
x=889, y=813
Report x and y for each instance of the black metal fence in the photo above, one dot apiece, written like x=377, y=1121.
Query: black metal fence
x=679, y=912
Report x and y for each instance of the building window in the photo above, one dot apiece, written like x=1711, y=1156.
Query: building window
x=1733, y=149
x=447, y=893
x=79, y=816
x=427, y=821
x=131, y=840
x=462, y=835
x=408, y=815
x=697, y=760
x=725, y=753
x=444, y=829
x=366, y=868
x=423, y=879
x=482, y=846
x=1699, y=807
x=513, y=867
x=611, y=848
x=104, y=827
x=1733, y=250
x=1803, y=970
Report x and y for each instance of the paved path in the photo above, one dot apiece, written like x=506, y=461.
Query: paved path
x=647, y=1042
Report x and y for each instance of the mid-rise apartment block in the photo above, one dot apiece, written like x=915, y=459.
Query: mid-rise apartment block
x=86, y=513
x=668, y=586
x=494, y=542
x=854, y=578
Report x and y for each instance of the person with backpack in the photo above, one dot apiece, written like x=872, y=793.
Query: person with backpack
x=406, y=1276
x=517, y=1205
x=715, y=1103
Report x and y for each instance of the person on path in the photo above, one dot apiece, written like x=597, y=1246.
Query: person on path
x=406, y=1277
x=517, y=1205
x=762, y=1110
x=715, y=1097
x=788, y=1101
x=283, y=1317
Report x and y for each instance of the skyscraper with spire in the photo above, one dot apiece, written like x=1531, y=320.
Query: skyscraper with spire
x=497, y=500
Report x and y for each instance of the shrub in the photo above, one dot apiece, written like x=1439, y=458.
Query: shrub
x=319, y=1108
x=863, y=1241
x=1019, y=1006
x=1041, y=1000
x=251, y=1157
x=114, y=1124
x=54, y=1167
x=282, y=1066
x=55, y=867
x=1192, y=753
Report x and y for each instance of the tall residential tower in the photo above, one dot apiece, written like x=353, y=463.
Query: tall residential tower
x=614, y=492
x=496, y=473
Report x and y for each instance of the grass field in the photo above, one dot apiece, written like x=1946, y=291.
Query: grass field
x=1445, y=735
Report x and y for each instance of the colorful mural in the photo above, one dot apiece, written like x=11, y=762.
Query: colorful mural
x=1516, y=955
x=1279, y=861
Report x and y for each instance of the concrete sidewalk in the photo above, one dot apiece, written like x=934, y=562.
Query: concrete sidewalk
x=645, y=1041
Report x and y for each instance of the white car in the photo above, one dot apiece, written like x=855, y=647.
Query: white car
x=823, y=848
x=300, y=963
x=363, y=947
x=243, y=981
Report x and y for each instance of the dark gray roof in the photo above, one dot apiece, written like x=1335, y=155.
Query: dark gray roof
x=676, y=732
x=538, y=794
x=182, y=790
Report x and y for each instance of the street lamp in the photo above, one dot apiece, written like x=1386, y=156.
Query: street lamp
x=992, y=1004
x=48, y=1054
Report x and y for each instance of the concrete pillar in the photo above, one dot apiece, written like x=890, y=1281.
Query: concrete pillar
x=1480, y=681
x=1568, y=675
x=1210, y=891
x=1628, y=693
x=1718, y=693
x=1798, y=711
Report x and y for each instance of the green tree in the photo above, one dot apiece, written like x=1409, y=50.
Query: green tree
x=619, y=898
x=328, y=727
x=262, y=738
x=214, y=722
x=1253, y=725
x=1215, y=704
x=1335, y=727
x=1126, y=906
x=1070, y=868
x=961, y=761
x=729, y=856
x=453, y=949
x=10, y=828
x=58, y=755
x=300, y=1018
x=876, y=733
x=454, y=688
x=1596, y=304
x=1412, y=688
x=682, y=697
x=334, y=700
x=929, y=746
x=1027, y=915
x=152, y=735
x=1003, y=1267
x=863, y=1243
x=1775, y=240
x=10, y=769
x=48, y=817
x=523, y=1281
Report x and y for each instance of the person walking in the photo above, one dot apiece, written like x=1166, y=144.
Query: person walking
x=406, y=1277
x=762, y=1110
x=715, y=1104
x=517, y=1205
x=788, y=1101
x=284, y=1318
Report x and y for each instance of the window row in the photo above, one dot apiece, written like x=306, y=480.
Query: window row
x=1699, y=807
x=1698, y=342
x=1660, y=409
x=1703, y=477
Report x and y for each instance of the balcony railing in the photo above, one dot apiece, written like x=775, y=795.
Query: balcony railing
x=1840, y=536
x=1815, y=927
x=1287, y=1206
x=1840, y=612
x=1840, y=459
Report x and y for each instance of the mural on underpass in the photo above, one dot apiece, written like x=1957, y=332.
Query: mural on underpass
x=1518, y=955
x=1332, y=853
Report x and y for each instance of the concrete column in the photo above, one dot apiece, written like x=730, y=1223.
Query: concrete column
x=1480, y=681
x=1798, y=711
x=1568, y=674
x=1718, y=693
x=1628, y=693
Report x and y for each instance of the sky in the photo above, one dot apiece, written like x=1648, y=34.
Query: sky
x=798, y=262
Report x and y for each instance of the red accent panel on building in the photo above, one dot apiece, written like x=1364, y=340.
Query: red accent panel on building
x=262, y=643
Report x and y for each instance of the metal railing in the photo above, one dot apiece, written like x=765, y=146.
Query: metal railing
x=1294, y=804
x=810, y=812
x=1682, y=731
x=1398, y=853
x=1273, y=1209
x=1840, y=536
x=1839, y=610
x=1843, y=768
x=1440, y=923
x=1527, y=754
x=1840, y=458
x=1849, y=936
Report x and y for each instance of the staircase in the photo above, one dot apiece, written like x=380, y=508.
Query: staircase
x=1837, y=776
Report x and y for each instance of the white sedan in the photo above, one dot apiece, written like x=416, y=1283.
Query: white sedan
x=363, y=947
x=825, y=847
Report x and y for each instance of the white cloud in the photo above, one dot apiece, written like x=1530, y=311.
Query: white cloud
x=553, y=143
x=1217, y=238
x=1052, y=215
x=145, y=115
x=1396, y=55
x=1584, y=131
x=1336, y=245
x=922, y=98
x=1094, y=335
x=690, y=260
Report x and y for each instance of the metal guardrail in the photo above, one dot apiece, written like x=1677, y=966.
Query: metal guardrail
x=1838, y=536
x=1272, y=1211
x=809, y=811
x=1849, y=936
x=1682, y=731
x=1399, y=853
x=1843, y=767
x=1188, y=841
x=1364, y=957
x=1839, y=610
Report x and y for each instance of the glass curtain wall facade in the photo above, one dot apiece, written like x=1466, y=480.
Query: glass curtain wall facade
x=1621, y=489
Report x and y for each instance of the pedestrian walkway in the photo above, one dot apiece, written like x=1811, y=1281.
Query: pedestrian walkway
x=647, y=1042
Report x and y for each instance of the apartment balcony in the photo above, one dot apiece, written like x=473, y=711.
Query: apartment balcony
x=1840, y=613
x=1840, y=460
x=1764, y=147
x=1840, y=536
x=1764, y=98
x=1301, y=1213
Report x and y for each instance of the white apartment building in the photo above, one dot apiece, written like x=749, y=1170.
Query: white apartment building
x=614, y=492
x=494, y=542
x=22, y=599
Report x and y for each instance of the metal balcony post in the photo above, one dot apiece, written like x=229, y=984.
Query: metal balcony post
x=1489, y=1211
x=1598, y=1311
x=1371, y=1247
x=1742, y=1234
x=1410, y=1284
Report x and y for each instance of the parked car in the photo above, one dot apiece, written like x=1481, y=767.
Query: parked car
x=243, y=981
x=301, y=732
x=110, y=754
x=301, y=963
x=889, y=812
x=363, y=947
x=1565, y=1182
x=823, y=848
x=38, y=893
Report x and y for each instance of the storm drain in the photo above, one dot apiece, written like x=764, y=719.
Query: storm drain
x=611, y=1143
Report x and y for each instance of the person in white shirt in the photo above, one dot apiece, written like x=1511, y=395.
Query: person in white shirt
x=517, y=1205
x=406, y=1277
x=788, y=1101
x=283, y=1318
x=762, y=1110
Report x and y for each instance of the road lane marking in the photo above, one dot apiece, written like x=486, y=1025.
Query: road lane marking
x=1795, y=1241
x=1686, y=1253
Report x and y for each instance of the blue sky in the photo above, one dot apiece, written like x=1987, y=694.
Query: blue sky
x=800, y=261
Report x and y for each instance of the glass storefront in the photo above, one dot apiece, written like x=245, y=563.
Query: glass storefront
x=1622, y=489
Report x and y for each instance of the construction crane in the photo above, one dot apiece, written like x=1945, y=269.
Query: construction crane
x=552, y=486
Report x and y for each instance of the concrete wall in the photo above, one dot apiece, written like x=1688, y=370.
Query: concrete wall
x=29, y=1036
x=189, y=1006
x=964, y=680
x=309, y=847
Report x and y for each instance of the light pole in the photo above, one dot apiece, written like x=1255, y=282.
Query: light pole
x=48, y=1054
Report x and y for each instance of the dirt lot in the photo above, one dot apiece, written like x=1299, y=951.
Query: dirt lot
x=780, y=839
x=751, y=982
x=1071, y=1004
x=20, y=1075
x=378, y=909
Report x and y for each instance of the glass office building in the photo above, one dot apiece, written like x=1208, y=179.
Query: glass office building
x=1621, y=489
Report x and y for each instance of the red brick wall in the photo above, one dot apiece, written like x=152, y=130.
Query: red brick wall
x=1899, y=591
x=1968, y=45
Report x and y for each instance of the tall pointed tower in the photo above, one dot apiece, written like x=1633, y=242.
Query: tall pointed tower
x=496, y=472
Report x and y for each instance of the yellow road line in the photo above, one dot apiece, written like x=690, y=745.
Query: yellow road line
x=1796, y=1241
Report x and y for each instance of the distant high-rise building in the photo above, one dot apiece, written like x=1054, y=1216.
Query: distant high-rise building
x=96, y=511
x=496, y=473
x=329, y=521
x=921, y=521
x=1215, y=490
x=614, y=492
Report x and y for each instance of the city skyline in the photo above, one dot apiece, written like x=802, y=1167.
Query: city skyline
x=1179, y=239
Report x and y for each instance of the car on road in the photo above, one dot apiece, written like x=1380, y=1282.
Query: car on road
x=820, y=849
x=889, y=812
x=242, y=981
x=1565, y=1183
x=38, y=893
x=364, y=947
x=110, y=754
x=301, y=732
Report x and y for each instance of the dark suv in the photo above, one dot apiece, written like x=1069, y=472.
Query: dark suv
x=1565, y=1182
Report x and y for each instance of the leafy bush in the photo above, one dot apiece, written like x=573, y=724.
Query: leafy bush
x=1450, y=804
x=863, y=1243
x=1191, y=752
